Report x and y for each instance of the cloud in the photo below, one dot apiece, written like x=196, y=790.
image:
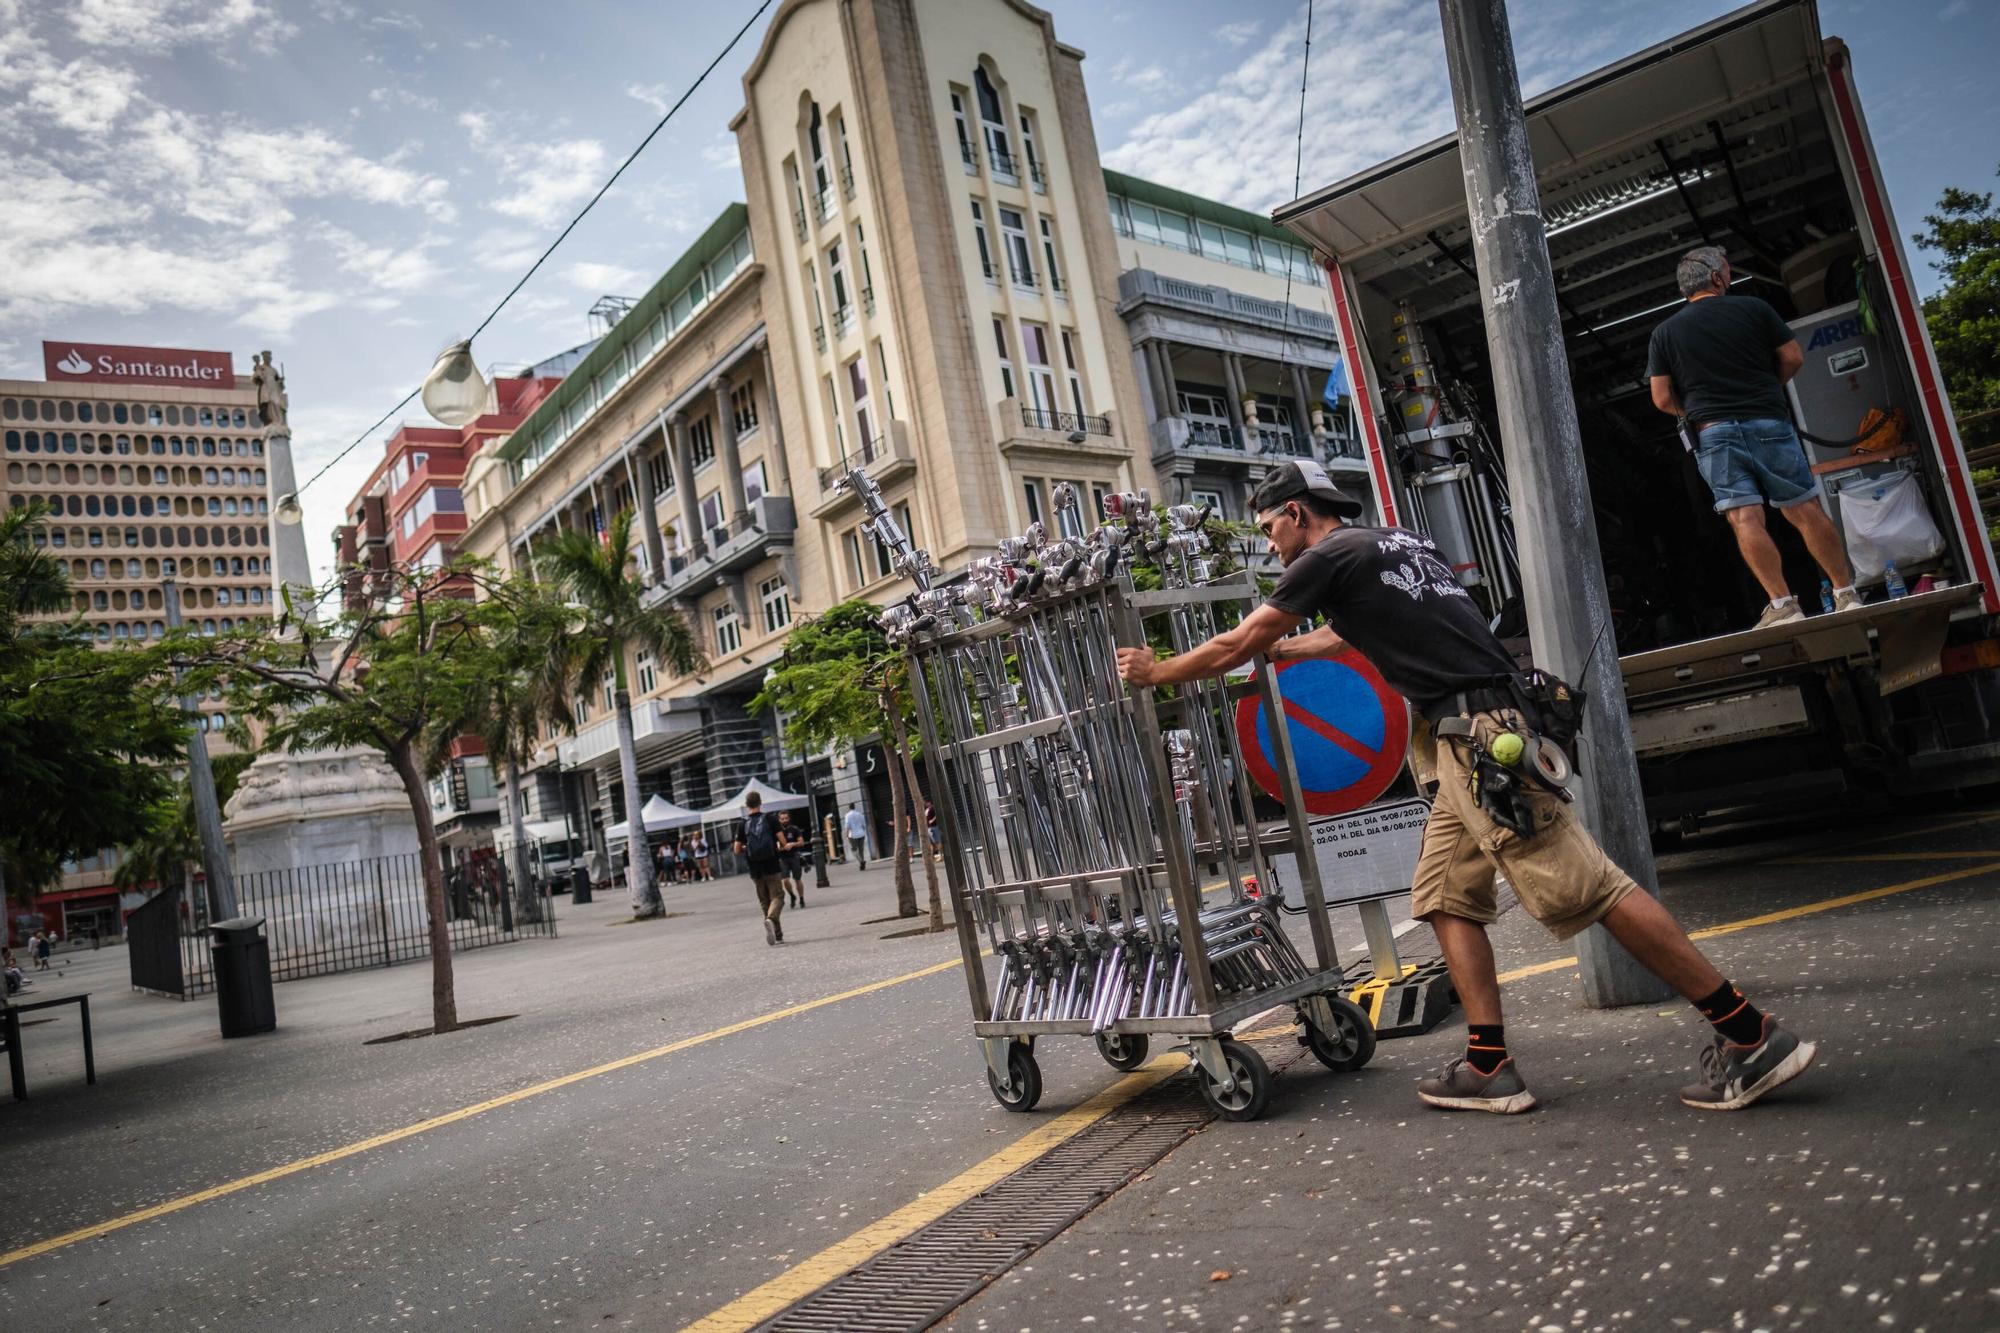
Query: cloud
x=385, y=268
x=403, y=97
x=1142, y=78
x=1378, y=91
x=602, y=278
x=155, y=26
x=1235, y=35
x=544, y=181
x=1956, y=9
x=507, y=248
x=721, y=154
x=653, y=95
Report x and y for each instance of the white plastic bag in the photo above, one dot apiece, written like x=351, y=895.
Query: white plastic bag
x=1886, y=519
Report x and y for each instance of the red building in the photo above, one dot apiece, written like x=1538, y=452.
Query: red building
x=411, y=511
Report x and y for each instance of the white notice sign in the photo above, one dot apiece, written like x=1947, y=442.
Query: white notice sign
x=1369, y=854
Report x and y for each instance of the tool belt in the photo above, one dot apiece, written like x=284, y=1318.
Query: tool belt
x=1551, y=713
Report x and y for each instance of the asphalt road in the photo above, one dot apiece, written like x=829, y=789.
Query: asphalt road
x=713, y=1160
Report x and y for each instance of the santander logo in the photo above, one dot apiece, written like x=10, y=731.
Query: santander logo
x=112, y=363
x=74, y=363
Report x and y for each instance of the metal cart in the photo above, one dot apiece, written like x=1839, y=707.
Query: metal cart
x=1109, y=875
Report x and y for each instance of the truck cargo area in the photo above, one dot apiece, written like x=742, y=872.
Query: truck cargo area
x=1721, y=137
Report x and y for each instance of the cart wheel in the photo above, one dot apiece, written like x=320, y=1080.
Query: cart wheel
x=1122, y=1051
x=1247, y=1100
x=1026, y=1077
x=1353, y=1042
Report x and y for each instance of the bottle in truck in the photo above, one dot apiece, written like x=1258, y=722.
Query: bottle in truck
x=1745, y=133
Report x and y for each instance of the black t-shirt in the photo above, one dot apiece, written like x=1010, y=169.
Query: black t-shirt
x=1387, y=592
x=1722, y=354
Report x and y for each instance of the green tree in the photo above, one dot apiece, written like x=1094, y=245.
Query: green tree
x=599, y=577
x=84, y=735
x=169, y=847
x=526, y=696
x=839, y=684
x=1964, y=316
x=388, y=677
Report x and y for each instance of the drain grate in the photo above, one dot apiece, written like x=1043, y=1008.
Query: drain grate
x=921, y=1280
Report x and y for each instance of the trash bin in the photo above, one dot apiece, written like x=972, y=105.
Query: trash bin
x=579, y=886
x=243, y=977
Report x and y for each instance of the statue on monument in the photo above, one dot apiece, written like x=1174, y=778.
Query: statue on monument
x=271, y=400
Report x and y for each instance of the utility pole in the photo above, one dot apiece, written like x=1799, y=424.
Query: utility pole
x=1562, y=571
x=201, y=781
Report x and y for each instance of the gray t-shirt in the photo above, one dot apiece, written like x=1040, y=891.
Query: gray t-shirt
x=1721, y=352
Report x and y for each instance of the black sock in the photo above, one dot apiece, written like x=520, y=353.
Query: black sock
x=1733, y=1016
x=1485, y=1046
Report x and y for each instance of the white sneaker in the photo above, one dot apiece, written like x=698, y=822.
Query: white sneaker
x=1847, y=600
x=1780, y=615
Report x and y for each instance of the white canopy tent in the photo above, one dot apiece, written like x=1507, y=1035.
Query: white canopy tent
x=658, y=815
x=773, y=799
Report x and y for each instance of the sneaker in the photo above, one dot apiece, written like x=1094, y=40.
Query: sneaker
x=1733, y=1076
x=1847, y=601
x=1462, y=1088
x=1781, y=615
x=770, y=931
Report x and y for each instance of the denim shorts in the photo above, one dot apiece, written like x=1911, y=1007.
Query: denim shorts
x=1751, y=462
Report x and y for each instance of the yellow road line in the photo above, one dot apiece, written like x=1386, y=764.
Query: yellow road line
x=1948, y=825
x=451, y=1117
x=522, y=1094
x=836, y=1260
x=1885, y=856
x=1846, y=900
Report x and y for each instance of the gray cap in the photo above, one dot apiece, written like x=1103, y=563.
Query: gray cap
x=1303, y=477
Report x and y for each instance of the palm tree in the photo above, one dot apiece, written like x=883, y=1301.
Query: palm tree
x=596, y=574
x=526, y=693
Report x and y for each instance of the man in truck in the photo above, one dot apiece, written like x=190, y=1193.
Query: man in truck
x=1384, y=593
x=1720, y=364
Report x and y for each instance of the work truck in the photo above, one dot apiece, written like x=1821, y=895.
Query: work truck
x=1746, y=133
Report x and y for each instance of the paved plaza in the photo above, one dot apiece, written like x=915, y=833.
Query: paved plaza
x=682, y=1121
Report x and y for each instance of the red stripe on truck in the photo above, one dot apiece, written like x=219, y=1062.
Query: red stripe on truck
x=1357, y=380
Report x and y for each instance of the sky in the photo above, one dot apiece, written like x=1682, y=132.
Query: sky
x=353, y=185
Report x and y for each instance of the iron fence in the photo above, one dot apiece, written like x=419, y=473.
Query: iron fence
x=357, y=914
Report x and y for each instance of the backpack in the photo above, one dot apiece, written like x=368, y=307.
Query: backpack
x=760, y=841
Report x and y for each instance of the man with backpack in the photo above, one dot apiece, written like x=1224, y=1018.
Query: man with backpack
x=757, y=843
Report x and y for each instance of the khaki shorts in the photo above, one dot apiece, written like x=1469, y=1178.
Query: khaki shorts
x=1560, y=874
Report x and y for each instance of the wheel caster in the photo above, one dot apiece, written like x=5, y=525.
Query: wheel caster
x=1352, y=1042
x=1122, y=1051
x=1248, y=1073
x=1024, y=1080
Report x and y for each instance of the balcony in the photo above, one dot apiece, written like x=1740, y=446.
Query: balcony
x=970, y=158
x=843, y=321
x=887, y=457
x=748, y=537
x=1042, y=436
x=1004, y=168
x=1141, y=286
x=847, y=181
x=652, y=720
x=819, y=337
x=1271, y=440
x=1039, y=176
x=1024, y=278
x=1196, y=438
x=823, y=205
x=799, y=222
x=868, y=300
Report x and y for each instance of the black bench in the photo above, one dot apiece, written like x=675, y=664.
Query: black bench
x=10, y=1030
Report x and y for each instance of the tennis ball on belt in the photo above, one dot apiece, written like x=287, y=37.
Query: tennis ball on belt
x=1507, y=748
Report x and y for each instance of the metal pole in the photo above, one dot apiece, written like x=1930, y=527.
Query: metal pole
x=1562, y=571
x=201, y=781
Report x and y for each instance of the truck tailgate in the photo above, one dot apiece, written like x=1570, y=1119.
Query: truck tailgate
x=1902, y=636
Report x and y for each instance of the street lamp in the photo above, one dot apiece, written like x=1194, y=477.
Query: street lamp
x=455, y=392
x=288, y=511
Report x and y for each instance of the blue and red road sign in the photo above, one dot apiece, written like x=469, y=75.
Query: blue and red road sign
x=1349, y=732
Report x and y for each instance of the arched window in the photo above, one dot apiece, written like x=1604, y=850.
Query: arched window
x=993, y=125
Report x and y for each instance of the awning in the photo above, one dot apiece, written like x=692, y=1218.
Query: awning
x=542, y=830
x=658, y=814
x=773, y=799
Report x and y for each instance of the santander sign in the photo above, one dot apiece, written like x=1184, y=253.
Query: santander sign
x=101, y=363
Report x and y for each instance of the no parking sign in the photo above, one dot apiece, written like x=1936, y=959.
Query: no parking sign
x=1349, y=731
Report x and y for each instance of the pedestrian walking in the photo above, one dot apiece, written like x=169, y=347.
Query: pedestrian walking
x=757, y=843
x=701, y=855
x=791, y=855
x=857, y=834
x=1720, y=365
x=687, y=866
x=1385, y=593
x=40, y=948
x=931, y=826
